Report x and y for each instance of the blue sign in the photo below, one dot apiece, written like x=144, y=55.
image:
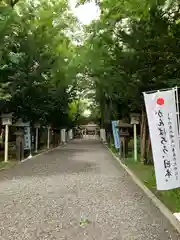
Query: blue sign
x=116, y=134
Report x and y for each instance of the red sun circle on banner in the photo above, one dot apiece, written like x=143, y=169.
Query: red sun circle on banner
x=160, y=101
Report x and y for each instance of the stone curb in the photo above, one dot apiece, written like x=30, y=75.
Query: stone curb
x=163, y=209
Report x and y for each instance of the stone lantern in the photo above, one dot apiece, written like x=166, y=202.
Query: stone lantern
x=124, y=137
x=23, y=138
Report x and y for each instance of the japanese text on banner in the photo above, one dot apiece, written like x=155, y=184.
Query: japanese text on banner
x=162, y=120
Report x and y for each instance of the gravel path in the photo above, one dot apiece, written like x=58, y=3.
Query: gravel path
x=78, y=192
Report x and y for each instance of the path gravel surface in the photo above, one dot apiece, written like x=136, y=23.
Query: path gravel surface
x=77, y=192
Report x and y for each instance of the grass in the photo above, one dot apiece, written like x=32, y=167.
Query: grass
x=12, y=157
x=145, y=173
x=7, y=165
x=11, y=162
x=113, y=149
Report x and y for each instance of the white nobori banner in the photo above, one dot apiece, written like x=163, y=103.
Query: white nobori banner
x=163, y=127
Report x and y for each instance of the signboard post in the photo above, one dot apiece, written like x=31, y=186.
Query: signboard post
x=63, y=136
x=48, y=137
x=6, y=121
x=134, y=121
x=103, y=134
x=163, y=127
x=70, y=134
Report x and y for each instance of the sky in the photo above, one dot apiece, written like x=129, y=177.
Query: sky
x=85, y=13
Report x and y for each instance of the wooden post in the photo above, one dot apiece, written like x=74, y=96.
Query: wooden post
x=36, y=147
x=6, y=143
x=124, y=148
x=135, y=143
x=48, y=138
x=143, y=139
x=6, y=121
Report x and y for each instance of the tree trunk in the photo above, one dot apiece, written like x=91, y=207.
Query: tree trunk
x=102, y=118
x=149, y=153
x=142, y=124
x=143, y=137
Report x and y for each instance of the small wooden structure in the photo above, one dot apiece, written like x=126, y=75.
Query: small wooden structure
x=124, y=137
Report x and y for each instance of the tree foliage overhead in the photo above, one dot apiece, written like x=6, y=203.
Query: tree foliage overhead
x=132, y=48
x=36, y=52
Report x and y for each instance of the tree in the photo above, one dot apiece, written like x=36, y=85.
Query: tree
x=132, y=48
x=35, y=51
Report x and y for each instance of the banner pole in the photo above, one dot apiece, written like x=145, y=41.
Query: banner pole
x=177, y=112
x=135, y=143
x=154, y=91
x=30, y=148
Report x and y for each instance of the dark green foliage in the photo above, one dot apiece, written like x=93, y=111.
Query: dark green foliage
x=133, y=47
x=34, y=53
